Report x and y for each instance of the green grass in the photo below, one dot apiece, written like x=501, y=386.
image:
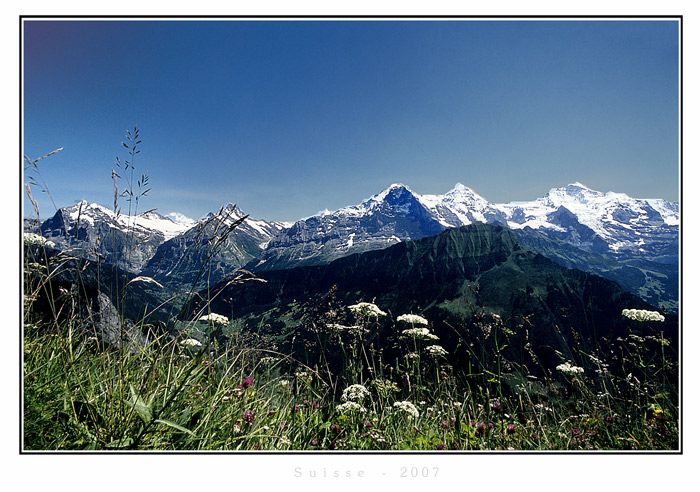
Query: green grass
x=79, y=395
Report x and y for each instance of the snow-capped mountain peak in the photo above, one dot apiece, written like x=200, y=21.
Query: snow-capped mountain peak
x=392, y=193
x=181, y=219
x=85, y=214
x=397, y=197
x=459, y=206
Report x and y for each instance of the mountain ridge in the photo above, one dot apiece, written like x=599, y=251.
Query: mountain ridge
x=449, y=278
x=641, y=235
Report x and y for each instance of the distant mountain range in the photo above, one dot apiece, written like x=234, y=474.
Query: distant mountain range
x=634, y=242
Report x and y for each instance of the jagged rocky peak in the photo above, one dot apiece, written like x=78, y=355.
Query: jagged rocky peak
x=229, y=210
x=395, y=194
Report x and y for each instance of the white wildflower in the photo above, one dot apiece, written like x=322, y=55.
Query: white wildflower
x=436, y=351
x=350, y=406
x=284, y=441
x=408, y=408
x=34, y=239
x=191, y=342
x=366, y=309
x=419, y=334
x=643, y=315
x=355, y=392
x=413, y=319
x=567, y=368
x=216, y=319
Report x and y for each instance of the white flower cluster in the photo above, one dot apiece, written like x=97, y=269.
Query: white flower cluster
x=419, y=334
x=413, y=319
x=567, y=368
x=408, y=408
x=37, y=240
x=350, y=406
x=366, y=309
x=355, y=392
x=643, y=315
x=191, y=342
x=436, y=351
x=216, y=319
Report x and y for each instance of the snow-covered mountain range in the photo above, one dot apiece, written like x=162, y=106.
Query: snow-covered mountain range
x=606, y=223
x=613, y=226
x=127, y=240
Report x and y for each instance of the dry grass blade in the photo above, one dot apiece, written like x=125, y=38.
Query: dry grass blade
x=32, y=162
x=31, y=199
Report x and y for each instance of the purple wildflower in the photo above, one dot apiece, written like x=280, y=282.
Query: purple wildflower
x=510, y=429
x=445, y=424
x=247, y=382
x=336, y=428
x=248, y=416
x=440, y=447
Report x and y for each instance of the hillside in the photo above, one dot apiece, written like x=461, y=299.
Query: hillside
x=454, y=279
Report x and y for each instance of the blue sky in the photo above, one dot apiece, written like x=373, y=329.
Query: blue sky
x=288, y=117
